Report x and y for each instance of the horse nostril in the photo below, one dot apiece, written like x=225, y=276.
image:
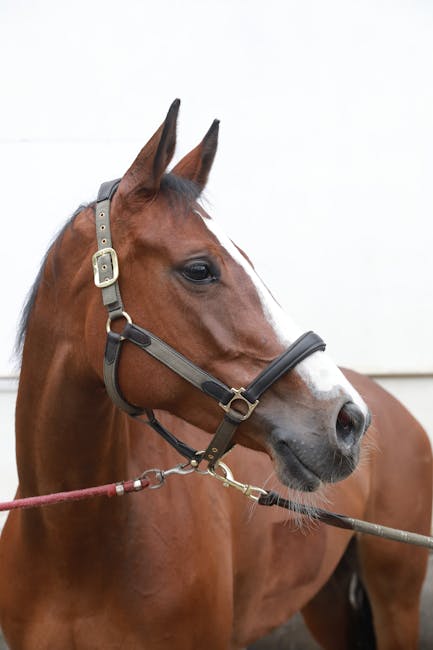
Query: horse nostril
x=350, y=426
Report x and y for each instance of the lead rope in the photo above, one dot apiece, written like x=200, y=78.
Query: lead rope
x=108, y=490
x=270, y=498
x=155, y=478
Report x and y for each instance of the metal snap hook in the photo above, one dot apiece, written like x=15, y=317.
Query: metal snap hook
x=158, y=477
x=227, y=479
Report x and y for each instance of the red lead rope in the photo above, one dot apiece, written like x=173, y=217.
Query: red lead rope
x=109, y=490
x=259, y=495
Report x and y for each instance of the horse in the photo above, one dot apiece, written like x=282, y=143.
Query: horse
x=193, y=564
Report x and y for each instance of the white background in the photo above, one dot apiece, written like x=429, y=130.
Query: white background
x=325, y=166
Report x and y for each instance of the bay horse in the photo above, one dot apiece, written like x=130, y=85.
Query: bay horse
x=192, y=565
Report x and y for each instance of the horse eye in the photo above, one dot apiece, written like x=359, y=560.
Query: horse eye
x=199, y=271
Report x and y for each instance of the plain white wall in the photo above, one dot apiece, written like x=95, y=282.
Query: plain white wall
x=325, y=164
x=326, y=154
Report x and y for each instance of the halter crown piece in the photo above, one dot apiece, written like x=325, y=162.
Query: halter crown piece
x=106, y=273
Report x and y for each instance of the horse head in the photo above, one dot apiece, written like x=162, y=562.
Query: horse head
x=185, y=281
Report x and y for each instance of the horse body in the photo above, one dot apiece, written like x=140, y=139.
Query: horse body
x=192, y=563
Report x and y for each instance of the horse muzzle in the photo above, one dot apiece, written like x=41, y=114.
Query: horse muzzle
x=305, y=457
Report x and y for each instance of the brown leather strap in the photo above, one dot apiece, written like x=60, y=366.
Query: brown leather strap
x=105, y=259
x=111, y=362
x=222, y=440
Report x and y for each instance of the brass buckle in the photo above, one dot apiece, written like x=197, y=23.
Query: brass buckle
x=105, y=282
x=239, y=397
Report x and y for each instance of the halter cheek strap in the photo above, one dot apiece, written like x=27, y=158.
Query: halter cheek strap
x=237, y=403
x=105, y=262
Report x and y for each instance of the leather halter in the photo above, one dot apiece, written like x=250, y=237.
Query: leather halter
x=106, y=273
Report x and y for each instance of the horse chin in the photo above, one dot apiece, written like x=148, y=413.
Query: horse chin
x=308, y=474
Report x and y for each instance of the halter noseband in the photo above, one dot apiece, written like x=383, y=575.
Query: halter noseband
x=106, y=273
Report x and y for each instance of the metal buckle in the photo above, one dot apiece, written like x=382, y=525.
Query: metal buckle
x=238, y=396
x=105, y=282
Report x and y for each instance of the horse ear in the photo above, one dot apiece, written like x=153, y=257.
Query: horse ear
x=147, y=169
x=196, y=165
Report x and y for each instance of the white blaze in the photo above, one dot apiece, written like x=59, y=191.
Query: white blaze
x=318, y=371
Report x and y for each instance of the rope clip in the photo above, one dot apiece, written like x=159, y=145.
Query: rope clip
x=158, y=476
x=228, y=480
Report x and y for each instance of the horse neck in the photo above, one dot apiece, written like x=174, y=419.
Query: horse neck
x=68, y=433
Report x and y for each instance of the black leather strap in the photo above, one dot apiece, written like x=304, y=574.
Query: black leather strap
x=181, y=447
x=222, y=440
x=107, y=190
x=331, y=518
x=111, y=362
x=297, y=352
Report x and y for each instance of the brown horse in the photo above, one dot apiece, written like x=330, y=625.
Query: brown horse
x=194, y=565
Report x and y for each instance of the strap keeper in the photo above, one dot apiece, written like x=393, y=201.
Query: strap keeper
x=111, y=347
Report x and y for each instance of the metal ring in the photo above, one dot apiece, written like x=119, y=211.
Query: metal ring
x=238, y=396
x=124, y=315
